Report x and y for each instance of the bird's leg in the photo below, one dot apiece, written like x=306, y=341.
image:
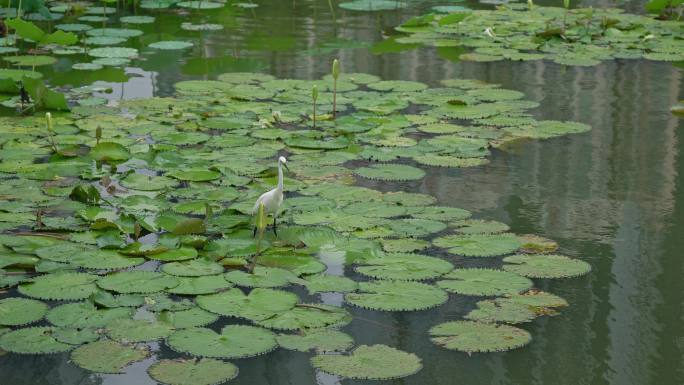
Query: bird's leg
x=275, y=231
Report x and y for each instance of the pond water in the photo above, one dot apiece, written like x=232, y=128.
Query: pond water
x=613, y=197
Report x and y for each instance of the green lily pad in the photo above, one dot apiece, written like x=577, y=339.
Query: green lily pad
x=21, y=311
x=129, y=330
x=261, y=277
x=374, y=362
x=114, y=52
x=472, y=337
x=193, y=268
x=35, y=340
x=546, y=266
x=86, y=315
x=234, y=341
x=200, y=285
x=260, y=304
x=107, y=356
x=137, y=282
x=31, y=60
x=479, y=245
x=396, y=296
x=192, y=372
x=143, y=182
x=372, y=5
x=325, y=340
x=171, y=45
x=404, y=267
x=501, y=311
x=390, y=172
x=484, y=282
x=307, y=316
x=189, y=318
x=60, y=286
x=319, y=283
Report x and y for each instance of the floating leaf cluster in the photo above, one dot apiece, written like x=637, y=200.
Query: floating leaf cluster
x=574, y=37
x=137, y=226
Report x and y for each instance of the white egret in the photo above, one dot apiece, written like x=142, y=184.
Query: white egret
x=272, y=199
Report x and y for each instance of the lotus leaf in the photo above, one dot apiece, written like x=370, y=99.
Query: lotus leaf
x=396, y=296
x=33, y=340
x=484, y=282
x=192, y=372
x=472, y=337
x=106, y=356
x=546, y=266
x=479, y=245
x=478, y=226
x=189, y=318
x=324, y=340
x=171, y=45
x=200, y=285
x=193, y=268
x=234, y=341
x=137, y=282
x=75, y=336
x=60, y=286
x=21, y=311
x=319, y=283
x=260, y=304
x=404, y=267
x=374, y=362
x=307, y=316
x=129, y=330
x=85, y=314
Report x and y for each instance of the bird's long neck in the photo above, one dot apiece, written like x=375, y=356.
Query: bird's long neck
x=280, y=176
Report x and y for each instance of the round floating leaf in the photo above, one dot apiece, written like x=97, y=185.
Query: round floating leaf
x=137, y=19
x=181, y=254
x=138, y=181
x=374, y=362
x=60, y=286
x=501, y=311
x=484, y=282
x=195, y=175
x=75, y=336
x=38, y=340
x=546, y=266
x=137, y=282
x=103, y=260
x=234, y=341
x=478, y=226
x=31, y=60
x=86, y=66
x=537, y=299
x=307, y=316
x=472, y=337
x=200, y=285
x=397, y=86
x=390, y=172
x=319, y=283
x=298, y=264
x=109, y=151
x=114, y=52
x=129, y=330
x=85, y=314
x=192, y=372
x=325, y=340
x=396, y=296
x=187, y=318
x=258, y=305
x=193, y=268
x=171, y=45
x=404, y=245
x=261, y=277
x=107, y=356
x=442, y=213
x=479, y=245
x=404, y=267
x=199, y=4
x=21, y=311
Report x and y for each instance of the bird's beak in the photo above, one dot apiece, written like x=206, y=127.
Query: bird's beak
x=285, y=164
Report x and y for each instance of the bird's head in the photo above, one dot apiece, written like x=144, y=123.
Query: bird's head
x=283, y=161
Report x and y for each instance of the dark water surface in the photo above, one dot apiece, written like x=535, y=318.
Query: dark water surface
x=613, y=197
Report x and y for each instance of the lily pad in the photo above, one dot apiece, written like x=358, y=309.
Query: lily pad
x=307, y=316
x=21, y=311
x=396, y=296
x=36, y=340
x=60, y=286
x=473, y=337
x=546, y=266
x=260, y=304
x=479, y=245
x=482, y=282
x=107, y=356
x=137, y=282
x=390, y=172
x=325, y=340
x=129, y=330
x=374, y=362
x=171, y=45
x=192, y=372
x=234, y=341
x=404, y=267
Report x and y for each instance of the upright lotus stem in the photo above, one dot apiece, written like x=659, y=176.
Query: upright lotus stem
x=98, y=134
x=335, y=75
x=314, y=96
x=48, y=124
x=566, y=5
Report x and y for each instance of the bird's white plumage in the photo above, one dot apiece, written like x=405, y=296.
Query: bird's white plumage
x=274, y=198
